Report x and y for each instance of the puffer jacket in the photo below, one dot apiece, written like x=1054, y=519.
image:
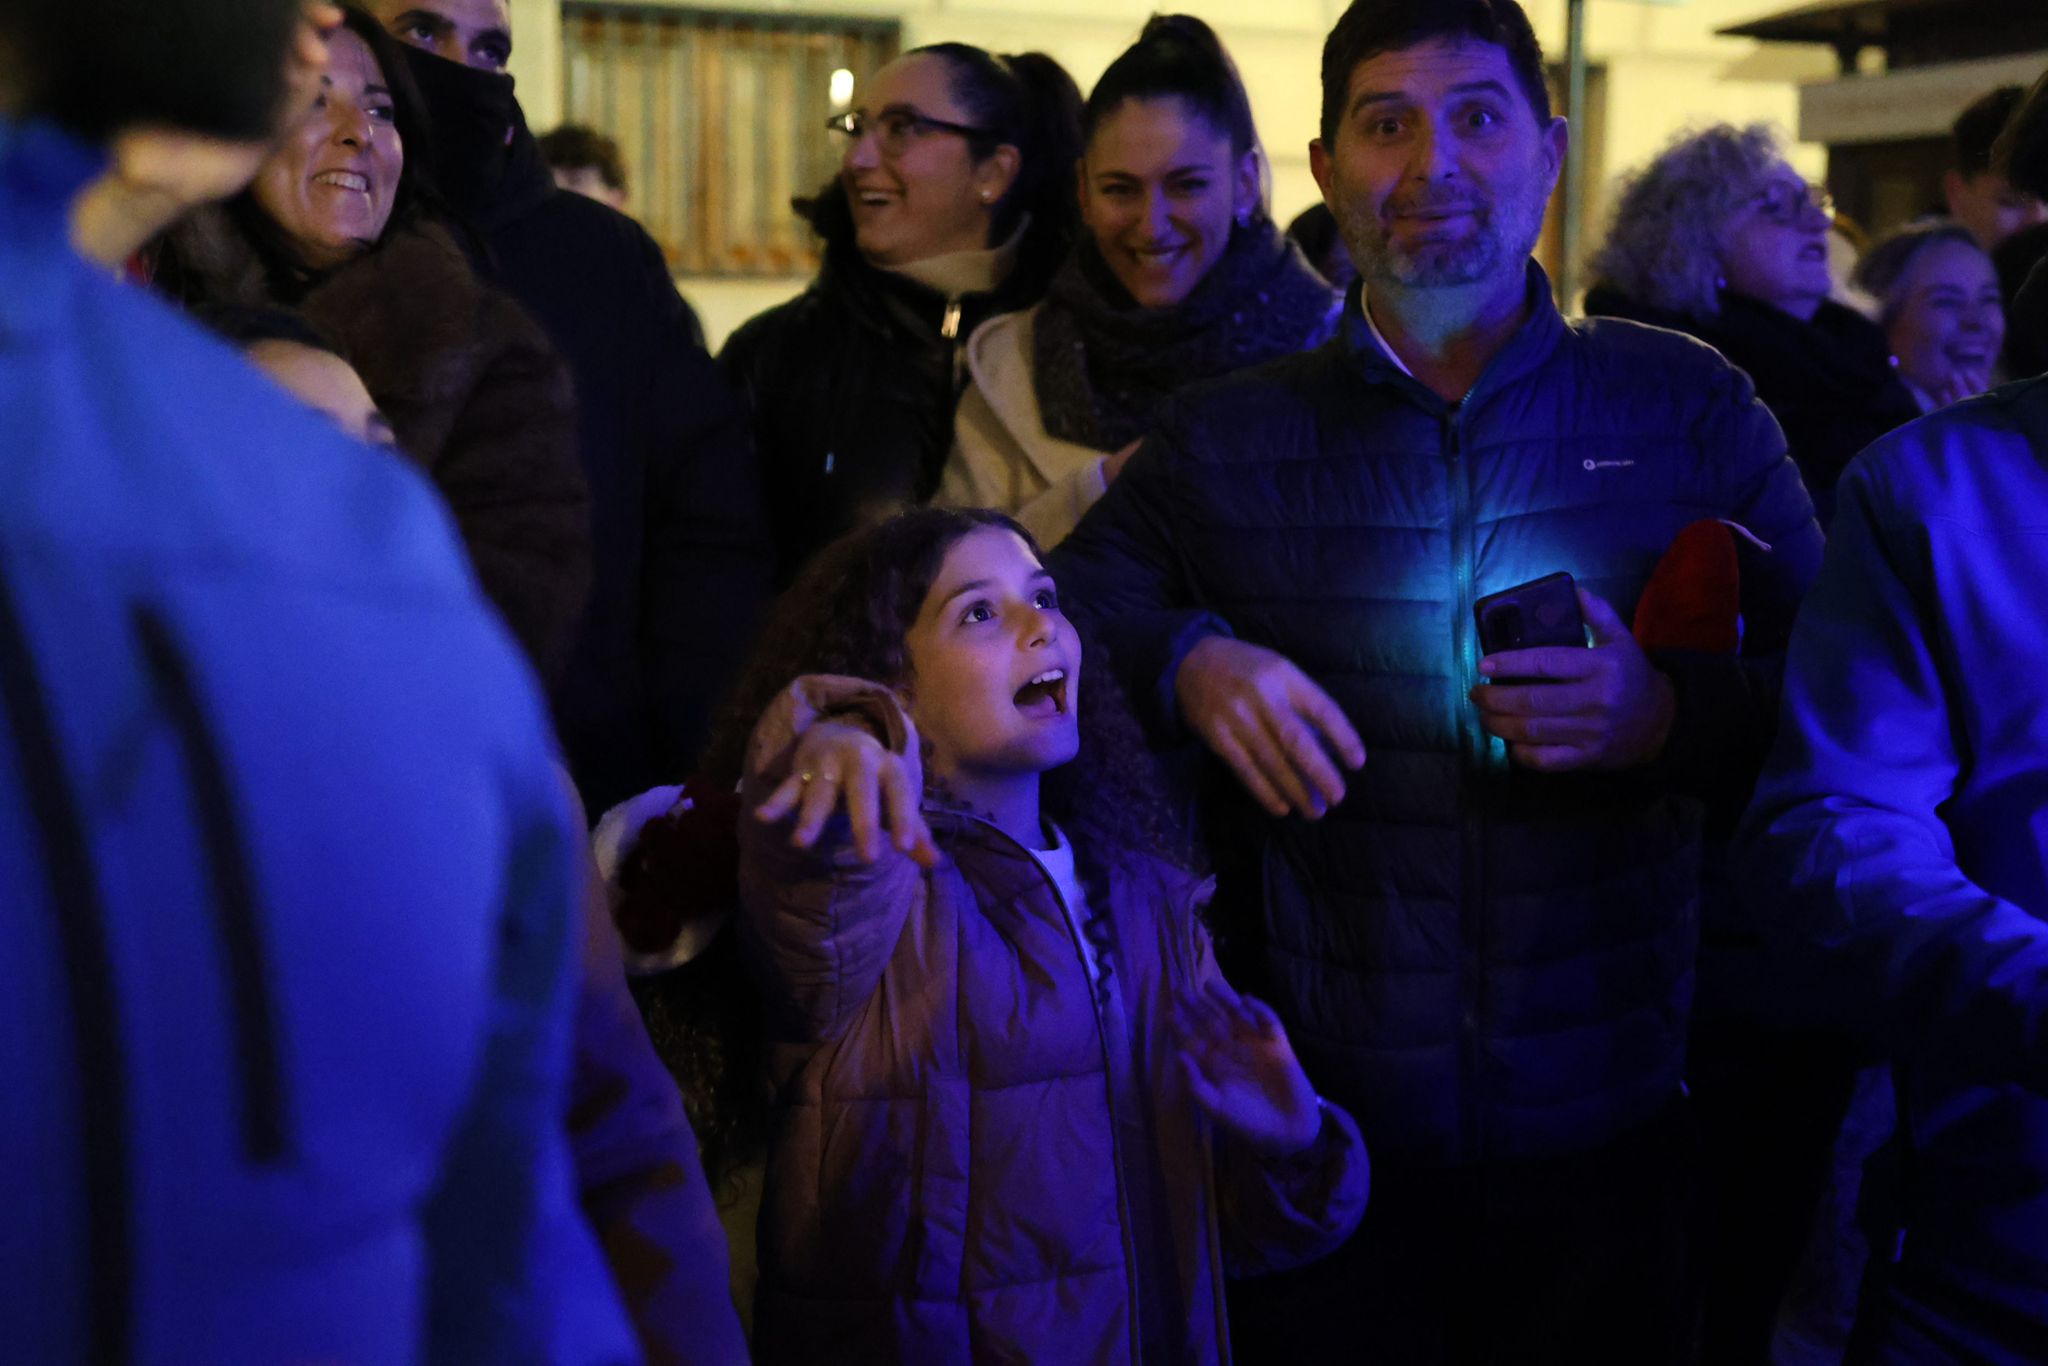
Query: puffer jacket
x=1482, y=963
x=943, y=1184
x=1900, y=832
x=853, y=386
x=286, y=871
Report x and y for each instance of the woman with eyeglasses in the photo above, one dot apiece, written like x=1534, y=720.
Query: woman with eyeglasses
x=954, y=202
x=1179, y=276
x=1720, y=238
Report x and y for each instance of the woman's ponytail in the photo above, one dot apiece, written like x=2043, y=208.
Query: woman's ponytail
x=1029, y=102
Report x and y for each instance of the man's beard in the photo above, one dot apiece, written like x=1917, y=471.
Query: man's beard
x=1504, y=235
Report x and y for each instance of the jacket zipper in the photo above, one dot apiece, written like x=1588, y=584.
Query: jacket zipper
x=1123, y=1204
x=237, y=916
x=1471, y=830
x=101, y=1066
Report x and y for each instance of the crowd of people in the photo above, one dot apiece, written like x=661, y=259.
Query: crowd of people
x=1108, y=784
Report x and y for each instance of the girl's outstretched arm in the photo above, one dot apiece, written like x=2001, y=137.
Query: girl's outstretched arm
x=832, y=845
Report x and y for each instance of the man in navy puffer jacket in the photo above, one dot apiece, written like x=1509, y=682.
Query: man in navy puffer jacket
x=1482, y=943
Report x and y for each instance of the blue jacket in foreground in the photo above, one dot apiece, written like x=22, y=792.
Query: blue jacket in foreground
x=1481, y=963
x=1901, y=828
x=286, y=884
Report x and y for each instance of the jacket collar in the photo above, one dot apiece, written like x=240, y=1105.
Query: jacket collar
x=1529, y=346
x=42, y=169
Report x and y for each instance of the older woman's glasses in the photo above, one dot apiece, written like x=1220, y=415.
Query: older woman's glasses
x=896, y=129
x=1785, y=202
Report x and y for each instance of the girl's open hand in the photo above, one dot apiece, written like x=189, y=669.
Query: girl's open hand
x=842, y=767
x=1242, y=1072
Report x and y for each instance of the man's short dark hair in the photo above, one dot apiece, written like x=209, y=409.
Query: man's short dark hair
x=94, y=66
x=1371, y=27
x=1976, y=129
x=574, y=146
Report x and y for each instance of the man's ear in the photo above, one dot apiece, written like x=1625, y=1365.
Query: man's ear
x=1557, y=140
x=1319, y=167
x=1953, y=187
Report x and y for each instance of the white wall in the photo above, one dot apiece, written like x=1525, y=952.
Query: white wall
x=1665, y=71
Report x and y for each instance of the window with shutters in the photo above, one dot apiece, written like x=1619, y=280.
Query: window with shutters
x=720, y=118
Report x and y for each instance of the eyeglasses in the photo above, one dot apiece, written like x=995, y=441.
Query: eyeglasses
x=1785, y=202
x=896, y=129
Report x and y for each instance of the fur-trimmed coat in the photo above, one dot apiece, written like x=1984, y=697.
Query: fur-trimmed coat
x=475, y=395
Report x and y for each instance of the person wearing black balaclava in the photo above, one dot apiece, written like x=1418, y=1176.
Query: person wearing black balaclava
x=682, y=559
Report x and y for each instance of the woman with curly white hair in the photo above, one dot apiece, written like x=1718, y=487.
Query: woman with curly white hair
x=1719, y=237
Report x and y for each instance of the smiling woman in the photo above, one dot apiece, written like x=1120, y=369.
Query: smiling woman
x=341, y=224
x=953, y=204
x=1720, y=238
x=1180, y=276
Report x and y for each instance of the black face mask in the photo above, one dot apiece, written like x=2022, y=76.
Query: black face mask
x=470, y=113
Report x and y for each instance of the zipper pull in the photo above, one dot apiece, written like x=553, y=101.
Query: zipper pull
x=949, y=328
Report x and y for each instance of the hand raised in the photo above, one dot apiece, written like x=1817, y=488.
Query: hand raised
x=1603, y=708
x=1281, y=734
x=1241, y=1071
x=843, y=767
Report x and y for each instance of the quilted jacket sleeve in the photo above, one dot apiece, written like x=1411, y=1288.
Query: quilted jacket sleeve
x=820, y=925
x=1846, y=839
x=1121, y=574
x=1727, y=704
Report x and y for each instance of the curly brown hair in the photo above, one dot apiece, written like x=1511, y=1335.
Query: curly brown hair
x=850, y=612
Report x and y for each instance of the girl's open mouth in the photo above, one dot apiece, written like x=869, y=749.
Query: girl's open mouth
x=1044, y=696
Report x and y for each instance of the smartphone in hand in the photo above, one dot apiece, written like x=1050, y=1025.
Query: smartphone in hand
x=1531, y=615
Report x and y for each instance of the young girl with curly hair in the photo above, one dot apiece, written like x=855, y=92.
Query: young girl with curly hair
x=1019, y=1116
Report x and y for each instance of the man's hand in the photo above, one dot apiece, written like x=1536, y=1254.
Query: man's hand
x=1269, y=721
x=1605, y=708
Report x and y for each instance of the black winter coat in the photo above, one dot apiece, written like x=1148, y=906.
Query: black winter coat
x=682, y=565
x=1830, y=381
x=1481, y=963
x=852, y=386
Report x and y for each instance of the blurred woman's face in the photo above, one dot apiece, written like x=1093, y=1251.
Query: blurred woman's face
x=1160, y=192
x=1950, y=322
x=914, y=186
x=331, y=183
x=1775, y=246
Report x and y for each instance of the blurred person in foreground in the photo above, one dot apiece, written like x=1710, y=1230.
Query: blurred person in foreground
x=1900, y=830
x=1720, y=238
x=1938, y=301
x=682, y=562
x=1482, y=937
x=291, y=875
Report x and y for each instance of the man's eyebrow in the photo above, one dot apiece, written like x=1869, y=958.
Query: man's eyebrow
x=1489, y=86
x=376, y=90
x=420, y=16
x=496, y=37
